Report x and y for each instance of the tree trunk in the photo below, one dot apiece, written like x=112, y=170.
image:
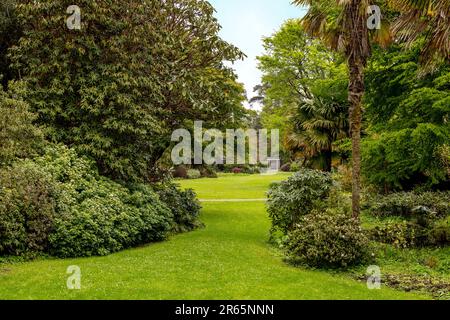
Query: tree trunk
x=355, y=96
x=357, y=51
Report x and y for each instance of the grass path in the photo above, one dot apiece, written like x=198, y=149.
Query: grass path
x=229, y=259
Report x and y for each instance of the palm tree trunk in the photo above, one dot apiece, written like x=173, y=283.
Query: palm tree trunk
x=356, y=90
x=357, y=51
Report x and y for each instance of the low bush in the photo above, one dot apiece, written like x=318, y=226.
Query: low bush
x=294, y=167
x=408, y=234
x=184, y=206
x=286, y=167
x=208, y=172
x=237, y=170
x=289, y=200
x=59, y=204
x=193, y=174
x=27, y=209
x=19, y=137
x=434, y=205
x=180, y=172
x=110, y=219
x=344, y=177
x=326, y=239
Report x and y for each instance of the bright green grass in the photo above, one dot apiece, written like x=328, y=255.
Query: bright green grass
x=229, y=259
x=232, y=186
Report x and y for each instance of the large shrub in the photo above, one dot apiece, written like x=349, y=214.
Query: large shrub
x=289, y=200
x=408, y=204
x=408, y=234
x=116, y=89
x=108, y=219
x=183, y=204
x=27, y=209
x=194, y=174
x=59, y=204
x=326, y=239
x=19, y=138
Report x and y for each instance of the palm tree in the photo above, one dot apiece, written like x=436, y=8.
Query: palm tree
x=344, y=27
x=317, y=124
x=427, y=18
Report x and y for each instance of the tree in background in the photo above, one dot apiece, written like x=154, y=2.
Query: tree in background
x=9, y=35
x=428, y=19
x=304, y=94
x=343, y=25
x=407, y=121
x=116, y=89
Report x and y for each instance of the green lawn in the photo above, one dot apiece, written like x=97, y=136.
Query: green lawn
x=229, y=259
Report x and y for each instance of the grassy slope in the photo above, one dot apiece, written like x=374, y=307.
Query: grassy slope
x=229, y=259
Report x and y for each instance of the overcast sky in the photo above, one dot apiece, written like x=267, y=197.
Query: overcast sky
x=245, y=23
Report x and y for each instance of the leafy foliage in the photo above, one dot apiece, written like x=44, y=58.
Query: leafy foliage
x=408, y=119
x=117, y=88
x=289, y=200
x=325, y=239
x=183, y=204
x=19, y=138
x=27, y=209
x=308, y=83
x=59, y=204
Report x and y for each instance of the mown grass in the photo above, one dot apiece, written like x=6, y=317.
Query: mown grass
x=229, y=259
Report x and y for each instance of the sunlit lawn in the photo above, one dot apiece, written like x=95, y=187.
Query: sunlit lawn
x=229, y=259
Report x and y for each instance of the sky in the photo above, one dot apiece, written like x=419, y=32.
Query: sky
x=245, y=23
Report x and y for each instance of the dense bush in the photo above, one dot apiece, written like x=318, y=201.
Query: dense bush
x=343, y=176
x=19, y=138
x=208, y=172
x=108, y=219
x=194, y=174
x=286, y=167
x=326, y=239
x=180, y=172
x=27, y=209
x=59, y=204
x=294, y=167
x=411, y=204
x=289, y=200
x=183, y=204
x=237, y=170
x=117, y=89
x=408, y=234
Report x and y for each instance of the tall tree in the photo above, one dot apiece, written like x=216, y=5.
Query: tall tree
x=298, y=92
x=425, y=18
x=344, y=26
x=135, y=71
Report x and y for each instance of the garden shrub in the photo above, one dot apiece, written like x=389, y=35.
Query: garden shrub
x=180, y=172
x=237, y=170
x=408, y=234
x=184, y=206
x=296, y=197
x=59, y=204
x=193, y=174
x=344, y=177
x=108, y=219
x=409, y=204
x=286, y=167
x=326, y=239
x=294, y=167
x=19, y=137
x=208, y=172
x=27, y=209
